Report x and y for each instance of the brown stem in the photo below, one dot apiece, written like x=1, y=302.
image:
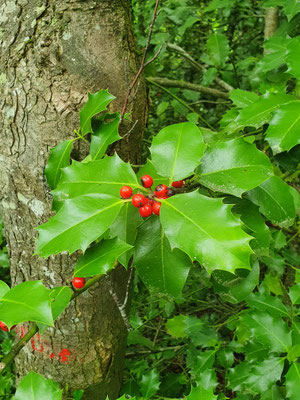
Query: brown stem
x=190, y=86
x=271, y=21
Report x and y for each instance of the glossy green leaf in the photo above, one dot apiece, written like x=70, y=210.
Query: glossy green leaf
x=96, y=103
x=192, y=223
x=283, y=131
x=269, y=330
x=161, y=269
x=34, y=386
x=291, y=8
x=218, y=49
x=161, y=108
x=61, y=297
x=148, y=169
x=176, y=326
x=255, y=378
x=101, y=176
x=198, y=361
x=199, y=333
x=28, y=301
x=150, y=383
x=125, y=227
x=275, y=50
x=59, y=158
x=273, y=394
x=275, y=201
x=238, y=375
x=106, y=134
x=296, y=196
x=198, y=392
x=234, y=167
x=177, y=150
x=253, y=220
x=78, y=223
x=4, y=288
x=293, y=381
x=294, y=293
x=100, y=258
x=260, y=112
x=266, y=302
x=242, y=98
x=243, y=287
x=292, y=57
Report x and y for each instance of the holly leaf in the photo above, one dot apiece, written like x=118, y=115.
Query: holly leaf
x=100, y=258
x=96, y=103
x=34, y=386
x=192, y=223
x=254, y=221
x=294, y=293
x=283, y=131
x=199, y=361
x=293, y=381
x=28, y=301
x=149, y=384
x=243, y=287
x=198, y=392
x=242, y=98
x=265, y=302
x=59, y=158
x=177, y=150
x=125, y=227
x=275, y=201
x=260, y=112
x=269, y=330
x=275, y=51
x=4, y=288
x=234, y=167
x=106, y=134
x=148, y=169
x=264, y=374
x=101, y=176
x=218, y=49
x=79, y=222
x=169, y=269
x=61, y=297
x=291, y=8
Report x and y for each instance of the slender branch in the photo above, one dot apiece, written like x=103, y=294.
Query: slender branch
x=142, y=63
x=179, y=100
x=198, y=66
x=190, y=86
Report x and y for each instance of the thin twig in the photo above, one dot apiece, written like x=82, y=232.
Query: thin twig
x=180, y=101
x=155, y=56
x=142, y=63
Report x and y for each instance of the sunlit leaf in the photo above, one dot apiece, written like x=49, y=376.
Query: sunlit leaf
x=34, y=386
x=59, y=158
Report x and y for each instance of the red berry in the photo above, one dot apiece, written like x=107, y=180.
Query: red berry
x=3, y=326
x=125, y=192
x=177, y=184
x=146, y=210
x=161, y=190
x=78, y=283
x=139, y=200
x=170, y=192
x=147, y=181
x=156, y=207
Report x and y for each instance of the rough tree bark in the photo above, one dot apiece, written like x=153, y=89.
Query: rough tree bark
x=271, y=21
x=52, y=54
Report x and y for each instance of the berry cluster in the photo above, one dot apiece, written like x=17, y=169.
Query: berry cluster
x=148, y=204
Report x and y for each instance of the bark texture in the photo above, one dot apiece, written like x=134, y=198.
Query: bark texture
x=271, y=21
x=53, y=52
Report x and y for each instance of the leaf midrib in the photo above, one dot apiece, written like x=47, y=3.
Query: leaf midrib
x=84, y=220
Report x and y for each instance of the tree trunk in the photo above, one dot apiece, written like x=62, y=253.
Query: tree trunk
x=271, y=21
x=52, y=54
